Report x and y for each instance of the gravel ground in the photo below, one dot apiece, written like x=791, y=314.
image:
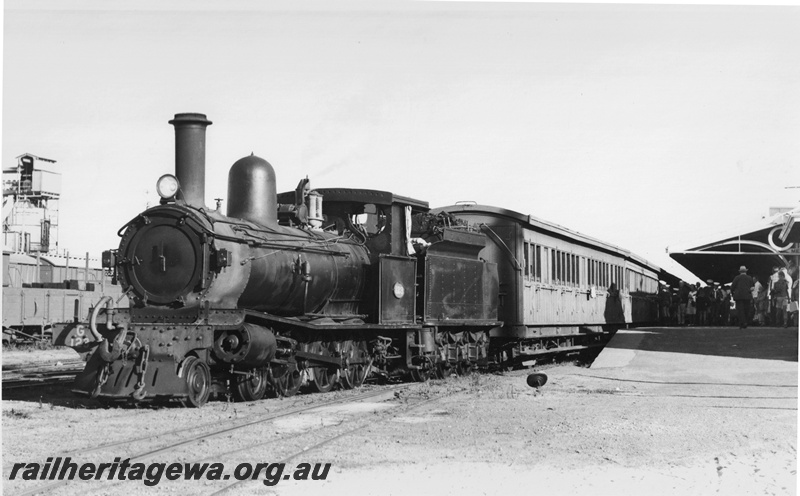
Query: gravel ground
x=646, y=418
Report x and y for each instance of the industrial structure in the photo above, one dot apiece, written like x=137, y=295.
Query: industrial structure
x=43, y=285
x=31, y=191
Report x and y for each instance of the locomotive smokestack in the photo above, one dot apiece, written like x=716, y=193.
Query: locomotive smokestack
x=190, y=157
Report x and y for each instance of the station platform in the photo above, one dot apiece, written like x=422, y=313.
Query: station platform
x=709, y=355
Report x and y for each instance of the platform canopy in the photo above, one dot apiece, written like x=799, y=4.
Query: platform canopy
x=775, y=243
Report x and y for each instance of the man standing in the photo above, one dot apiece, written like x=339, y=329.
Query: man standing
x=758, y=292
x=742, y=290
x=780, y=293
x=719, y=304
x=772, y=280
x=664, y=297
x=725, y=307
x=683, y=298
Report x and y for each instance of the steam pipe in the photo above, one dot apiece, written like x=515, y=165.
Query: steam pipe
x=190, y=157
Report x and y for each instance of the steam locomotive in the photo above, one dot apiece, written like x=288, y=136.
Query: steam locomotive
x=325, y=287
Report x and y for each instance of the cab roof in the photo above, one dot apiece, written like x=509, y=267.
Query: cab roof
x=360, y=196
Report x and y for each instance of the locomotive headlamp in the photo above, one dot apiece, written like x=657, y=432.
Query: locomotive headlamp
x=167, y=186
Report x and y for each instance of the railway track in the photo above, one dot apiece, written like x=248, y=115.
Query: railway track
x=323, y=437
x=175, y=440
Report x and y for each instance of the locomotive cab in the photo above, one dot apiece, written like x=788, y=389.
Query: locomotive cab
x=380, y=221
x=376, y=219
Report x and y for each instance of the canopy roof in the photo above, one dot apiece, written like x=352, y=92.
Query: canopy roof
x=774, y=243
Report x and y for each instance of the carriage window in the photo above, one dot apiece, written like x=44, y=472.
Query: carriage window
x=546, y=271
x=575, y=270
x=533, y=262
x=525, y=251
x=556, y=266
x=571, y=272
x=561, y=268
x=596, y=272
x=537, y=272
x=604, y=270
x=570, y=268
x=567, y=269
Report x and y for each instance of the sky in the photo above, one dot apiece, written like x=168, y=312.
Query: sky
x=645, y=126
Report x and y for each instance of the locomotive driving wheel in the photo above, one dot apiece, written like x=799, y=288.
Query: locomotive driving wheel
x=286, y=381
x=356, y=371
x=198, y=380
x=421, y=375
x=324, y=377
x=254, y=387
x=464, y=368
x=430, y=370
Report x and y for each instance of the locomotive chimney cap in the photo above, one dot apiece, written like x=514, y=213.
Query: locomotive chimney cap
x=189, y=118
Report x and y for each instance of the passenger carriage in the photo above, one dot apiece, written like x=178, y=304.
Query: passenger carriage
x=559, y=289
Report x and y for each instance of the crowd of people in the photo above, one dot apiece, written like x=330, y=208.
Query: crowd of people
x=747, y=300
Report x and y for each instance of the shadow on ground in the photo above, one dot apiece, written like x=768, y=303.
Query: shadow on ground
x=766, y=343
x=53, y=395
